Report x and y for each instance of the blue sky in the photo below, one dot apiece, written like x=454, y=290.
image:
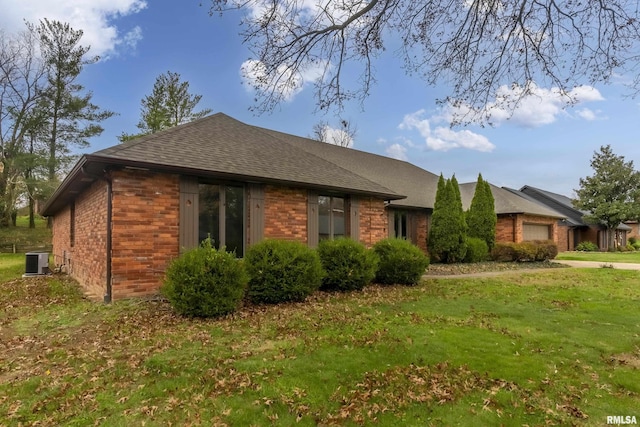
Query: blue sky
x=542, y=145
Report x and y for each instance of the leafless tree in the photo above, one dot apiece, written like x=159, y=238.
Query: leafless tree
x=475, y=46
x=21, y=82
x=342, y=136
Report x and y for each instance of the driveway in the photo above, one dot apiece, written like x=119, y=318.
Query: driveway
x=599, y=264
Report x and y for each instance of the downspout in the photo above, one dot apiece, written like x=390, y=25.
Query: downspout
x=104, y=177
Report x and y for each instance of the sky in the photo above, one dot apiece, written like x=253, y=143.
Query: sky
x=541, y=143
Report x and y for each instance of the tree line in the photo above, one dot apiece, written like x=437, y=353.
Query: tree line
x=45, y=112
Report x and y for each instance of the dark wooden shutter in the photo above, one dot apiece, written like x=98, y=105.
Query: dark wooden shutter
x=256, y=213
x=189, y=197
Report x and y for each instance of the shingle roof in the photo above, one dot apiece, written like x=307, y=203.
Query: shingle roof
x=223, y=147
x=507, y=202
x=402, y=177
x=221, y=144
x=562, y=204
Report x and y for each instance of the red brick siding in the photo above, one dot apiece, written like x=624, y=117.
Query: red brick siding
x=505, y=228
x=145, y=230
x=285, y=213
x=86, y=261
x=373, y=221
x=565, y=238
x=422, y=222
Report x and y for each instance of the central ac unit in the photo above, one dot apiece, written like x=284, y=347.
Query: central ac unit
x=37, y=263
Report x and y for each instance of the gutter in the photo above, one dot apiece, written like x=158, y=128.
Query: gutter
x=108, y=297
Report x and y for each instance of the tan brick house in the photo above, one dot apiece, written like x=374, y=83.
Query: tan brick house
x=123, y=213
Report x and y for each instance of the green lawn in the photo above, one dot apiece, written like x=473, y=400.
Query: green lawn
x=558, y=347
x=628, y=257
x=23, y=236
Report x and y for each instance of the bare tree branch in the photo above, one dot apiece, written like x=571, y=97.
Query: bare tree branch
x=476, y=46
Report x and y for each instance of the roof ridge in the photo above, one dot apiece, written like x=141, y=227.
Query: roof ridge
x=267, y=132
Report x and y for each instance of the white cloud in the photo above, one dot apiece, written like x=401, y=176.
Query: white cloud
x=397, y=151
x=337, y=137
x=536, y=108
x=587, y=114
x=95, y=17
x=443, y=138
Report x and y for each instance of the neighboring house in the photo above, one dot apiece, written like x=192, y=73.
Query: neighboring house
x=123, y=213
x=519, y=219
x=573, y=229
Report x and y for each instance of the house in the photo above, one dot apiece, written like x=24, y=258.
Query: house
x=123, y=213
x=519, y=219
x=573, y=228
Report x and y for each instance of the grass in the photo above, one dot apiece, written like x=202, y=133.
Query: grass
x=22, y=235
x=557, y=347
x=626, y=257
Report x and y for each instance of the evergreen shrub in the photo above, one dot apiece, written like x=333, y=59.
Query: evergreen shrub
x=205, y=282
x=348, y=265
x=545, y=250
x=587, y=247
x=282, y=271
x=477, y=250
x=400, y=262
x=539, y=250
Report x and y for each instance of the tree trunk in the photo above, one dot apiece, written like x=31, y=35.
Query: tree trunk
x=32, y=220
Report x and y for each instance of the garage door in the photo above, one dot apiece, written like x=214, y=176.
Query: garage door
x=535, y=232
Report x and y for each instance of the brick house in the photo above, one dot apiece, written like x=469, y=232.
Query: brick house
x=123, y=213
x=572, y=228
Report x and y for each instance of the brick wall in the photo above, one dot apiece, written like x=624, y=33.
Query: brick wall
x=532, y=219
x=505, y=228
x=145, y=230
x=565, y=238
x=373, y=221
x=509, y=227
x=285, y=213
x=86, y=260
x=422, y=222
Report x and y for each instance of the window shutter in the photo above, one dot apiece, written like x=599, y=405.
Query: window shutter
x=256, y=213
x=312, y=219
x=188, y=212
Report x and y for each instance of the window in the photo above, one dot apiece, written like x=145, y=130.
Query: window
x=221, y=216
x=536, y=232
x=72, y=224
x=331, y=217
x=400, y=225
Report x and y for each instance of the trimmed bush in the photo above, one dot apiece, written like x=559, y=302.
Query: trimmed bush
x=477, y=250
x=348, y=265
x=400, y=262
x=503, y=252
x=205, y=282
x=539, y=250
x=636, y=246
x=545, y=250
x=282, y=271
x=587, y=247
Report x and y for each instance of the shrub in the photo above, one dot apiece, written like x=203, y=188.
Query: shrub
x=282, y=271
x=539, y=250
x=503, y=252
x=587, y=247
x=477, y=250
x=400, y=262
x=633, y=240
x=636, y=246
x=205, y=282
x=630, y=247
x=348, y=265
x=545, y=250
x=525, y=251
